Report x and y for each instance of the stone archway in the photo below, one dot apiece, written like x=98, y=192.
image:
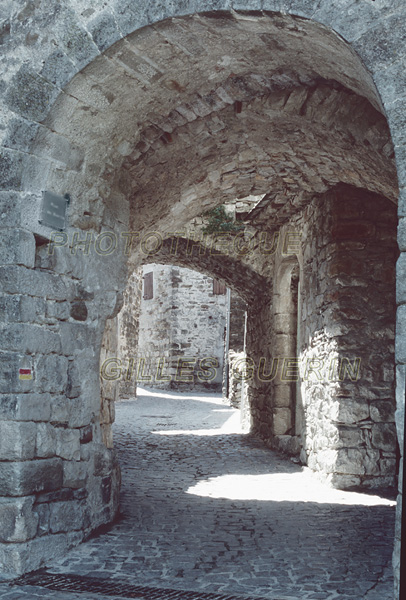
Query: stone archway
x=57, y=140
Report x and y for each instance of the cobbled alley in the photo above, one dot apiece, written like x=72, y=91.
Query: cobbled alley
x=208, y=509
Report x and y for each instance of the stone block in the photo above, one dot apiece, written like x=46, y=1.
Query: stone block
x=283, y=346
x=10, y=309
x=388, y=466
x=28, y=338
x=372, y=462
x=62, y=495
x=52, y=373
x=350, y=411
x=77, y=42
x=107, y=435
x=248, y=6
x=76, y=337
x=58, y=68
x=20, y=558
x=384, y=437
x=401, y=213
x=402, y=234
x=30, y=95
x=288, y=444
x=388, y=42
x=28, y=477
x=86, y=434
x=282, y=421
x=75, y=380
x=10, y=208
x=30, y=282
x=75, y=474
x=103, y=460
x=350, y=18
x=57, y=310
x=32, y=309
x=25, y=407
x=344, y=482
x=21, y=134
x=68, y=516
x=17, y=440
x=323, y=460
x=104, y=30
x=35, y=170
x=17, y=247
x=46, y=440
x=401, y=281
x=18, y=520
x=53, y=146
x=282, y=396
x=74, y=412
x=304, y=8
x=43, y=512
x=350, y=461
x=131, y=16
x=104, y=411
x=106, y=488
x=382, y=411
x=348, y=437
x=10, y=169
x=283, y=323
x=375, y=482
x=68, y=443
x=400, y=402
x=60, y=409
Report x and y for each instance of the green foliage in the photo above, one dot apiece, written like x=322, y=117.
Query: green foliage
x=220, y=221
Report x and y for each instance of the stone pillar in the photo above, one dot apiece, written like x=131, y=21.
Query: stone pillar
x=347, y=344
x=128, y=332
x=109, y=388
x=257, y=386
x=58, y=479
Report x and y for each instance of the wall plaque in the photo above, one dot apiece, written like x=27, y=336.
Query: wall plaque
x=53, y=210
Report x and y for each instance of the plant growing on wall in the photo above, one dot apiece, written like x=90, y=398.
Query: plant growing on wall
x=219, y=220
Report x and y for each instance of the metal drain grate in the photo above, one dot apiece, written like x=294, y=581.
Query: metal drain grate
x=111, y=587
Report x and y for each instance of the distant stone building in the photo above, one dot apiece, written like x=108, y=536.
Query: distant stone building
x=182, y=333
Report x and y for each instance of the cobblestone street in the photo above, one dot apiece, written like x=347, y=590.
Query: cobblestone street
x=207, y=508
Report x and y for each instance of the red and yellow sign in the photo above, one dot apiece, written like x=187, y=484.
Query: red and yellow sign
x=25, y=374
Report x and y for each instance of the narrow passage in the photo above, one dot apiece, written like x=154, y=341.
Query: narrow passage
x=207, y=508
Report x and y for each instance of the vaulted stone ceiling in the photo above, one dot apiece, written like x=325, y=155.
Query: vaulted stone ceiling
x=190, y=112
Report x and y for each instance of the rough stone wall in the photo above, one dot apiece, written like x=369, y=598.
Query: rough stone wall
x=58, y=478
x=236, y=361
x=257, y=388
x=109, y=390
x=232, y=380
x=119, y=348
x=128, y=324
x=184, y=321
x=238, y=309
x=348, y=313
x=330, y=361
